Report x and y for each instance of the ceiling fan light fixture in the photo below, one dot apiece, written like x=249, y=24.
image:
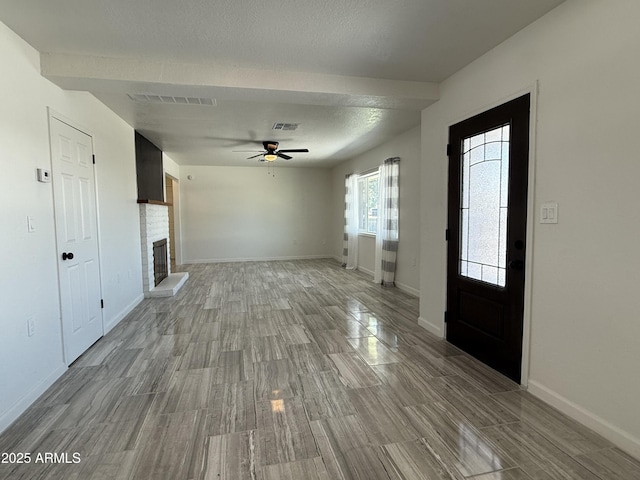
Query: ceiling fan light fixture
x=270, y=157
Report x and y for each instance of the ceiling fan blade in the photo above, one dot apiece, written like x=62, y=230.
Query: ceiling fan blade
x=296, y=150
x=245, y=151
x=282, y=155
x=259, y=155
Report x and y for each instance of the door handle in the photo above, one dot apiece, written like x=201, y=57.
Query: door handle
x=67, y=256
x=516, y=264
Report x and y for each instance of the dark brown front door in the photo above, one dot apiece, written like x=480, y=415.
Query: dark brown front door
x=488, y=164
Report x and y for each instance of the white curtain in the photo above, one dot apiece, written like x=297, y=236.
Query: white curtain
x=350, y=244
x=387, y=228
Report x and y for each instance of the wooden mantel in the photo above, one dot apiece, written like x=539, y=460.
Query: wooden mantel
x=155, y=202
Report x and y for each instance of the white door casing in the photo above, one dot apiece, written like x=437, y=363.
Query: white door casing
x=76, y=238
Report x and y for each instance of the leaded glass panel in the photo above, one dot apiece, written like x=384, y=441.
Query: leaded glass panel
x=484, y=206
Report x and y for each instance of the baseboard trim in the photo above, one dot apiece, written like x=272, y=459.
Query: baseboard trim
x=366, y=271
x=110, y=325
x=25, y=402
x=256, y=259
x=431, y=327
x=616, y=435
x=400, y=286
x=406, y=288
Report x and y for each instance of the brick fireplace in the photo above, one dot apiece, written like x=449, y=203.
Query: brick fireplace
x=154, y=228
x=154, y=222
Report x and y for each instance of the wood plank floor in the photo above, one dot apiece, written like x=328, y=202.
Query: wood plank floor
x=294, y=370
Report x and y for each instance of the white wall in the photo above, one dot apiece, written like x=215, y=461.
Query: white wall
x=407, y=147
x=170, y=167
x=29, y=281
x=241, y=213
x=584, y=323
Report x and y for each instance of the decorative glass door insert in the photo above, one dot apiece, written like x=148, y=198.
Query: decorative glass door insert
x=484, y=206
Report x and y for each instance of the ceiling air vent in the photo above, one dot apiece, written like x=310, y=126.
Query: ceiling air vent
x=285, y=126
x=139, y=97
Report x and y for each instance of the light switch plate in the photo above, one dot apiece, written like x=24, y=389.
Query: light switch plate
x=549, y=213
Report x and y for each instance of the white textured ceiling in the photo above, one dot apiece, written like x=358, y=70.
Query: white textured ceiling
x=353, y=73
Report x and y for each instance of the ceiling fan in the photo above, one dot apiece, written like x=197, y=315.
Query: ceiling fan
x=271, y=152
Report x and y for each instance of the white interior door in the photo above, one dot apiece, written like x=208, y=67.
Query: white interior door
x=77, y=241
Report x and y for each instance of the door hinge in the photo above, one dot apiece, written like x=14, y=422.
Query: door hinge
x=448, y=149
x=101, y=303
x=446, y=317
x=94, y=159
x=446, y=235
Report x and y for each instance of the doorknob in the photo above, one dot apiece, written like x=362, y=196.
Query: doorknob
x=516, y=264
x=67, y=256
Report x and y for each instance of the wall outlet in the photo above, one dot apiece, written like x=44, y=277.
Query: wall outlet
x=31, y=326
x=44, y=175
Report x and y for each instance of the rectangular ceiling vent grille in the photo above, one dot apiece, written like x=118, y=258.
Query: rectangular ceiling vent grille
x=285, y=126
x=138, y=97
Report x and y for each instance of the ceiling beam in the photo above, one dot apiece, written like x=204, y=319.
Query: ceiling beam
x=229, y=82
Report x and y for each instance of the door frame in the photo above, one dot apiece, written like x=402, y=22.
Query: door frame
x=176, y=214
x=531, y=89
x=51, y=114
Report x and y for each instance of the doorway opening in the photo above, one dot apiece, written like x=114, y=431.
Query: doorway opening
x=487, y=231
x=171, y=197
x=76, y=220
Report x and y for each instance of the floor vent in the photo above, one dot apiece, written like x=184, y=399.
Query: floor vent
x=140, y=97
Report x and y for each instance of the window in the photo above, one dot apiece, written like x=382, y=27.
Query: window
x=368, y=202
x=483, y=206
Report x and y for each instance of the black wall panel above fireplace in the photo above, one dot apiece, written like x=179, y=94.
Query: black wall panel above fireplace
x=149, y=170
